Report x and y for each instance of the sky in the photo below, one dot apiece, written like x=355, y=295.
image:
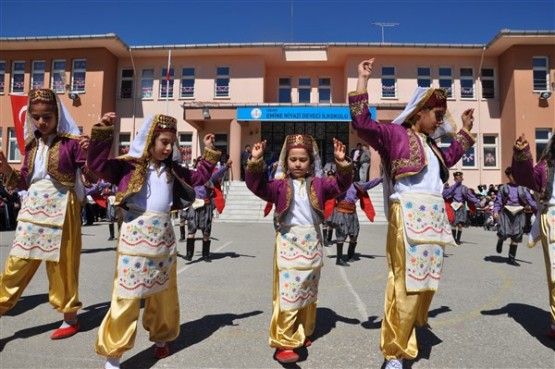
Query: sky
x=178, y=22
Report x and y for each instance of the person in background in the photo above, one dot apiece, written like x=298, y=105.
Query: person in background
x=201, y=213
x=146, y=255
x=459, y=196
x=244, y=158
x=540, y=178
x=508, y=211
x=57, y=191
x=299, y=191
x=414, y=172
x=364, y=164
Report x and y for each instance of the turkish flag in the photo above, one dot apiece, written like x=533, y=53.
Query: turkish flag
x=19, y=111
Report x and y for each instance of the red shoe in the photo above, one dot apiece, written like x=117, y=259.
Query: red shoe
x=307, y=342
x=286, y=356
x=65, y=332
x=551, y=333
x=162, y=352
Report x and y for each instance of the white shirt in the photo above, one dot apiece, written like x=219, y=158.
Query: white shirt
x=299, y=212
x=156, y=194
x=551, y=201
x=428, y=180
x=41, y=159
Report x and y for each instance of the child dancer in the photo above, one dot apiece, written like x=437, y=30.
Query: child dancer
x=147, y=185
x=200, y=214
x=541, y=179
x=299, y=192
x=345, y=218
x=418, y=227
x=49, y=226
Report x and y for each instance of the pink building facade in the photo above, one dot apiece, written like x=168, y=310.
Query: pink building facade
x=245, y=93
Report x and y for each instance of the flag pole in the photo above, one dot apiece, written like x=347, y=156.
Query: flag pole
x=168, y=81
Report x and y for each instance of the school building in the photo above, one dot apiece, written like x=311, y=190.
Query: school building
x=247, y=92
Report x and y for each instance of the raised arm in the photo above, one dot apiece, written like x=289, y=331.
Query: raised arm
x=524, y=171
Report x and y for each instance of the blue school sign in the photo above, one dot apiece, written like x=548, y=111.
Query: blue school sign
x=294, y=114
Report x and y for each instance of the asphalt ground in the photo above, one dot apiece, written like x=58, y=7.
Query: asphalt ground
x=486, y=314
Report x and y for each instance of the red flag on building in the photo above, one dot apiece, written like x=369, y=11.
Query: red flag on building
x=19, y=111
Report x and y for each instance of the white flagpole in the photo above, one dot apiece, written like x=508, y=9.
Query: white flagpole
x=168, y=81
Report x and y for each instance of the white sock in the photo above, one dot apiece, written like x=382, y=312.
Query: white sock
x=66, y=324
x=160, y=344
x=112, y=363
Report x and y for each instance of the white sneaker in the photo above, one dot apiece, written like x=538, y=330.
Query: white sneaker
x=394, y=364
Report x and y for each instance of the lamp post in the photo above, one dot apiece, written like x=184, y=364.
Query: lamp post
x=383, y=25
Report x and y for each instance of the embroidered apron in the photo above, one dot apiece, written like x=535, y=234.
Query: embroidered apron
x=146, y=253
x=299, y=260
x=41, y=221
x=427, y=231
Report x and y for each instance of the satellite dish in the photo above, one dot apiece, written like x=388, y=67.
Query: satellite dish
x=545, y=95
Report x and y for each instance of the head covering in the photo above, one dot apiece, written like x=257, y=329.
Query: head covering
x=508, y=171
x=152, y=124
x=429, y=98
x=456, y=174
x=299, y=142
x=65, y=126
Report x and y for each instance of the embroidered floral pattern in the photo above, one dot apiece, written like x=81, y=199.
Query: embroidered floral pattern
x=415, y=158
x=358, y=107
x=142, y=276
x=298, y=288
x=147, y=234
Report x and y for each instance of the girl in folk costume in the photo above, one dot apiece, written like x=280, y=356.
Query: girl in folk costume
x=201, y=212
x=541, y=179
x=345, y=218
x=49, y=225
x=149, y=184
x=508, y=210
x=299, y=192
x=416, y=170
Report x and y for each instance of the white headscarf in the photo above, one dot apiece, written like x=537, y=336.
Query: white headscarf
x=66, y=125
x=417, y=102
x=316, y=167
x=139, y=146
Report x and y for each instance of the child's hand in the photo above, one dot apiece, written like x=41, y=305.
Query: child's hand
x=209, y=141
x=229, y=163
x=468, y=119
x=84, y=142
x=339, y=150
x=365, y=68
x=258, y=150
x=108, y=119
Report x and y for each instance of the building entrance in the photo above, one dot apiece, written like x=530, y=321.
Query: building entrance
x=324, y=132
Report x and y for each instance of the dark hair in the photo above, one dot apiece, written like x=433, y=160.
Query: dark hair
x=508, y=171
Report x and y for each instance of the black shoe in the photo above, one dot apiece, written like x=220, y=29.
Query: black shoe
x=341, y=262
x=111, y=238
x=207, y=259
x=513, y=262
x=458, y=242
x=182, y=239
x=499, y=247
x=188, y=257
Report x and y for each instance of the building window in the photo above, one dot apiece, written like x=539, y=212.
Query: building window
x=38, y=73
x=78, y=75
x=488, y=83
x=424, y=76
x=542, y=137
x=540, y=66
x=467, y=83
x=124, y=143
x=490, y=151
x=166, y=84
x=18, y=77
x=284, y=90
x=220, y=142
x=469, y=157
x=186, y=147
x=446, y=80
x=188, y=83
x=222, y=82
x=389, y=88
x=2, y=76
x=324, y=90
x=14, y=156
x=58, y=77
x=147, y=83
x=304, y=89
x=444, y=143
x=126, y=86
